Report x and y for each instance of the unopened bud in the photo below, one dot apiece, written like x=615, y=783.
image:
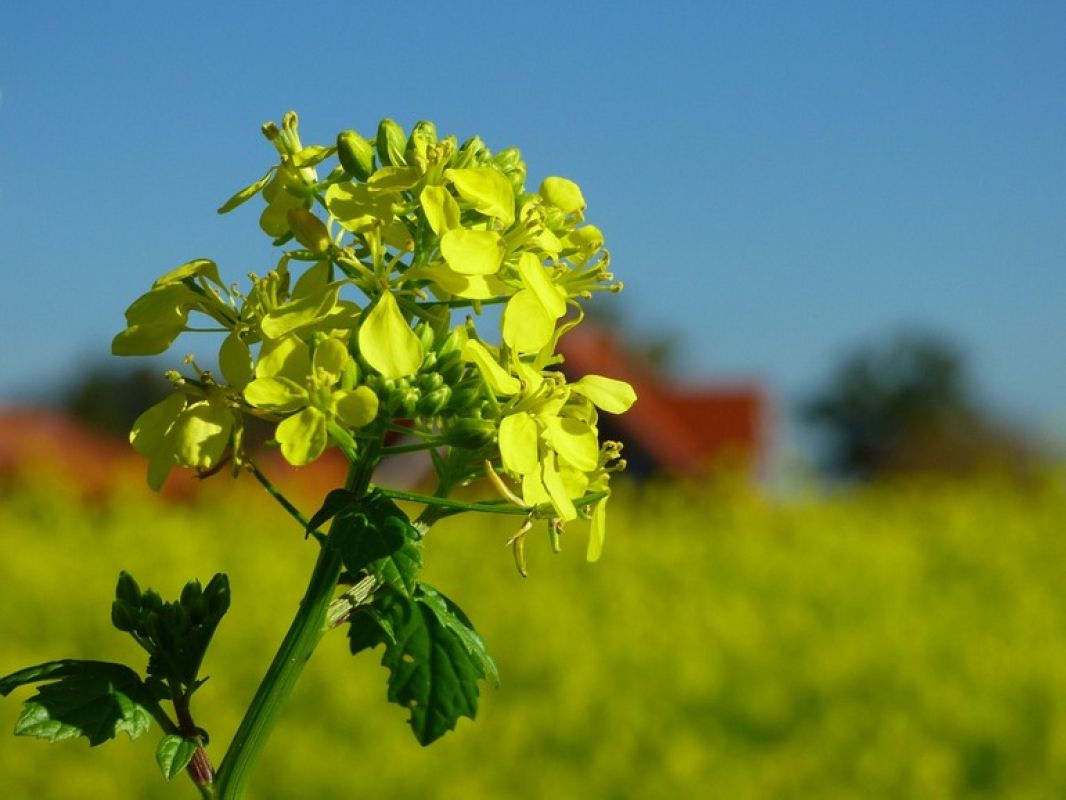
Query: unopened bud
x=391, y=144
x=356, y=154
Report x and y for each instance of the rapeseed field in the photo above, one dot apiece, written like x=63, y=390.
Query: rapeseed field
x=896, y=641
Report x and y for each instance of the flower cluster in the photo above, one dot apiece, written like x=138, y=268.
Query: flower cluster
x=351, y=334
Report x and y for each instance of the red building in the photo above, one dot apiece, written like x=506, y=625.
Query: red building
x=674, y=429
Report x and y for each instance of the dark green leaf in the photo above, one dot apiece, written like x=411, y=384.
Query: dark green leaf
x=94, y=699
x=331, y=506
x=367, y=628
x=174, y=754
x=434, y=657
x=362, y=540
x=375, y=536
x=454, y=619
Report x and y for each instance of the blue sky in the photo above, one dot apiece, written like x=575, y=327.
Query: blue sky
x=777, y=181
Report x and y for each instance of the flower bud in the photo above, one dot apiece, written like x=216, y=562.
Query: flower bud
x=511, y=164
x=473, y=153
x=471, y=434
x=423, y=136
x=409, y=402
x=434, y=402
x=425, y=336
x=123, y=617
x=356, y=154
x=465, y=396
x=430, y=381
x=127, y=590
x=391, y=144
x=451, y=368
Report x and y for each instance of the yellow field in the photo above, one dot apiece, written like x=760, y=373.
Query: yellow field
x=900, y=642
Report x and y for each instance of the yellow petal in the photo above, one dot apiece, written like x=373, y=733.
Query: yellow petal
x=527, y=327
x=387, y=341
x=613, y=396
x=302, y=436
x=533, y=491
x=355, y=408
x=442, y=212
x=563, y=194
x=575, y=442
x=395, y=178
x=357, y=207
x=235, y=360
x=328, y=362
x=486, y=189
x=536, y=279
x=553, y=482
x=473, y=252
x=597, y=530
x=495, y=376
x=518, y=443
x=276, y=394
x=472, y=287
x=151, y=427
x=284, y=358
x=200, y=434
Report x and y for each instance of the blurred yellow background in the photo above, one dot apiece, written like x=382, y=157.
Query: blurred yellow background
x=900, y=640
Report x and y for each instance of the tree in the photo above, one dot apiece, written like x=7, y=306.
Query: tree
x=907, y=406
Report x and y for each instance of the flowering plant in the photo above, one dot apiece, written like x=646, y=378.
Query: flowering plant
x=350, y=340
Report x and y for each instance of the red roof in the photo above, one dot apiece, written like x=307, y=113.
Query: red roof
x=682, y=430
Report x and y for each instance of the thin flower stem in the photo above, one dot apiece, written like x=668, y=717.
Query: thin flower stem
x=490, y=507
x=293, y=511
x=408, y=448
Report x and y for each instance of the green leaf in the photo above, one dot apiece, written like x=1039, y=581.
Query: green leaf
x=362, y=539
x=174, y=754
x=435, y=658
x=367, y=628
x=331, y=506
x=375, y=536
x=455, y=619
x=94, y=699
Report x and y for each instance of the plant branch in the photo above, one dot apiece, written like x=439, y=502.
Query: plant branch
x=285, y=503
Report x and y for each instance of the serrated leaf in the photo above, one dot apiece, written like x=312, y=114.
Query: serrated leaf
x=399, y=568
x=94, y=699
x=363, y=540
x=435, y=660
x=455, y=619
x=331, y=506
x=174, y=754
x=367, y=628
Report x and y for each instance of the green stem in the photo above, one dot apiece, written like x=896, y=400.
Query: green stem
x=308, y=626
x=273, y=491
x=492, y=507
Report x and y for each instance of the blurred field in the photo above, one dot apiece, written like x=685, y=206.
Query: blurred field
x=899, y=642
